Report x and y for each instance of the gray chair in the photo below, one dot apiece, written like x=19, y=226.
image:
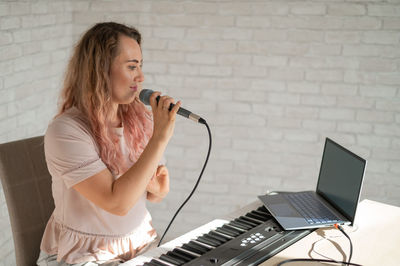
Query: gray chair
x=27, y=189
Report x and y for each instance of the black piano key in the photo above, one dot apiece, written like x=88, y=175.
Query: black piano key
x=228, y=237
x=202, y=248
x=228, y=230
x=236, y=229
x=256, y=216
x=209, y=236
x=260, y=216
x=203, y=244
x=246, y=222
x=187, y=253
x=255, y=221
x=187, y=257
x=249, y=216
x=240, y=225
x=263, y=209
x=208, y=241
x=193, y=249
x=178, y=256
x=221, y=235
x=158, y=263
x=263, y=213
x=218, y=236
x=197, y=243
x=149, y=264
x=171, y=260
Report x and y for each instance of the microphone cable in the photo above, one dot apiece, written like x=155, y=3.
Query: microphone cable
x=337, y=226
x=202, y=121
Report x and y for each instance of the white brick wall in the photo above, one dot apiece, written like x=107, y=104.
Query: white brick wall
x=35, y=42
x=272, y=79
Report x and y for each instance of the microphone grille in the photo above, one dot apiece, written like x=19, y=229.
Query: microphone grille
x=144, y=96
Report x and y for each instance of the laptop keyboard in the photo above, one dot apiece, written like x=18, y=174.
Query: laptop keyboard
x=310, y=208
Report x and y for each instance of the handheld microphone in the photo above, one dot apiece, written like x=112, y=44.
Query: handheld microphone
x=144, y=97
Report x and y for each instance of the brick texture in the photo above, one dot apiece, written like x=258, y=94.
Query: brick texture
x=271, y=79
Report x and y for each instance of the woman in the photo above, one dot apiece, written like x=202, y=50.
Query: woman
x=103, y=151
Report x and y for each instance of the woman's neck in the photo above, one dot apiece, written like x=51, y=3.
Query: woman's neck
x=116, y=120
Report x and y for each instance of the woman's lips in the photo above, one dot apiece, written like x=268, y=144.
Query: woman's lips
x=134, y=88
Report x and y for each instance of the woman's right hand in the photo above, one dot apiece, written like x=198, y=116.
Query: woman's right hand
x=164, y=119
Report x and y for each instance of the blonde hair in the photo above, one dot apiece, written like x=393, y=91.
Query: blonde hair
x=87, y=87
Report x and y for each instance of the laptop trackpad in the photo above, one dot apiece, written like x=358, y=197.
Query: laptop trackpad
x=279, y=206
x=283, y=210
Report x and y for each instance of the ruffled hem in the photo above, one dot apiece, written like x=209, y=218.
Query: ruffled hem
x=73, y=246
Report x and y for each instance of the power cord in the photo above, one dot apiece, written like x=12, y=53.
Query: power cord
x=346, y=235
x=202, y=121
x=320, y=253
x=326, y=260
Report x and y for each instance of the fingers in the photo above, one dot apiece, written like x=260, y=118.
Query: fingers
x=176, y=107
x=161, y=169
x=153, y=101
x=164, y=103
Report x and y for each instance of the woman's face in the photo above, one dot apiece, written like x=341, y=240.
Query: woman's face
x=126, y=71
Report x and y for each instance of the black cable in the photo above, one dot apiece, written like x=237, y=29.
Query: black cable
x=346, y=235
x=329, y=261
x=318, y=260
x=197, y=183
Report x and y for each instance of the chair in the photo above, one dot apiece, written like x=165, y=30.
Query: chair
x=27, y=189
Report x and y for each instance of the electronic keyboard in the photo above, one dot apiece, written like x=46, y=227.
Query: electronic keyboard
x=248, y=239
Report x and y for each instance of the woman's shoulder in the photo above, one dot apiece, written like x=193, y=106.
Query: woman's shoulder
x=68, y=124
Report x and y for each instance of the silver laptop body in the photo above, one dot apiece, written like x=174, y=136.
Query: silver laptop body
x=335, y=199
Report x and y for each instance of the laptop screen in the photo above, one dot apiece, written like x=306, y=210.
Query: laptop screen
x=340, y=178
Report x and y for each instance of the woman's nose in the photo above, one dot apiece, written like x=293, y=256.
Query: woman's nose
x=139, y=77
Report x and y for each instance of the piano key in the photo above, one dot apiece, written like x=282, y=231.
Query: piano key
x=175, y=255
x=263, y=213
x=252, y=219
x=250, y=223
x=237, y=229
x=262, y=208
x=150, y=264
x=208, y=241
x=218, y=236
x=188, y=253
x=165, y=257
x=244, y=223
x=192, y=248
x=229, y=237
x=214, y=238
x=183, y=255
x=203, y=244
x=260, y=216
x=158, y=262
x=240, y=225
x=222, y=235
x=229, y=231
x=255, y=216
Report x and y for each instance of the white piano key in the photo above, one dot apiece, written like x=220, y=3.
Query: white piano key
x=177, y=242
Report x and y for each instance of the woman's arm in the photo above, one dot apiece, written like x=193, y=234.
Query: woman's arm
x=119, y=196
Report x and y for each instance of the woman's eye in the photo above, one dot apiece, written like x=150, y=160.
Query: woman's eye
x=132, y=67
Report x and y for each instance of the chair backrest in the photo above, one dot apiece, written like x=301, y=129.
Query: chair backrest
x=27, y=189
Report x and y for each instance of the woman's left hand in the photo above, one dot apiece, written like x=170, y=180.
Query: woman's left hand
x=158, y=186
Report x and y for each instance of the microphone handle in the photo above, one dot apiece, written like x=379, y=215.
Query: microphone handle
x=185, y=113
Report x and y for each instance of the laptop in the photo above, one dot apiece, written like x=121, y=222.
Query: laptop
x=335, y=199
